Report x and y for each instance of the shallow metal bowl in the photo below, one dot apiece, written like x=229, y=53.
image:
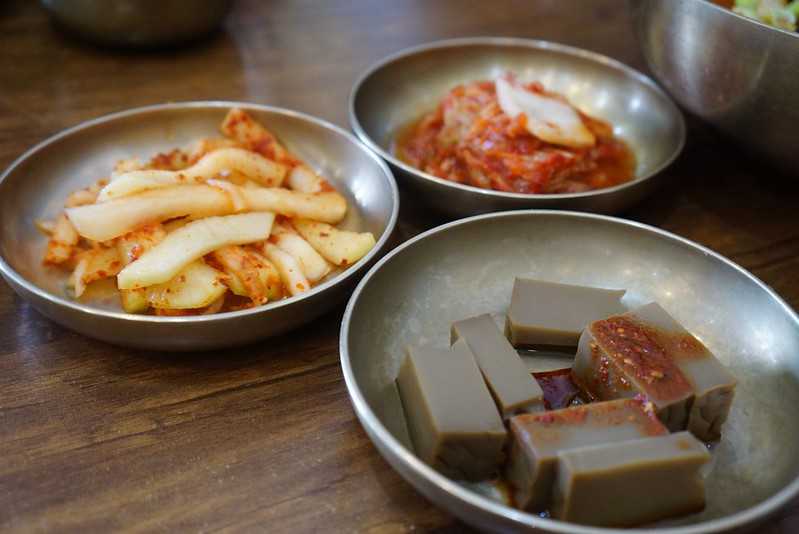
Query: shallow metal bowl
x=401, y=88
x=36, y=184
x=736, y=73
x=467, y=267
x=139, y=23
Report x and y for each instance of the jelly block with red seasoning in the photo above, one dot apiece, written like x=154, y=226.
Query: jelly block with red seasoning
x=537, y=439
x=646, y=352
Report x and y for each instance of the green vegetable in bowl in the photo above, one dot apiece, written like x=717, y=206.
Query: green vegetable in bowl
x=777, y=13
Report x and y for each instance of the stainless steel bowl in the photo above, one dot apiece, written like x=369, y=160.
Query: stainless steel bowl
x=467, y=267
x=36, y=184
x=732, y=71
x=402, y=87
x=139, y=23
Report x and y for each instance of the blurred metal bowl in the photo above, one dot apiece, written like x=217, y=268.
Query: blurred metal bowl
x=467, y=267
x=734, y=72
x=36, y=184
x=139, y=23
x=399, y=89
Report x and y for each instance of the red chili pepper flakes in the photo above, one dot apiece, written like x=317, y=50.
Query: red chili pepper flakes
x=638, y=352
x=612, y=413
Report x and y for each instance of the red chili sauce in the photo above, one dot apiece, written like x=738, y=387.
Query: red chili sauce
x=559, y=389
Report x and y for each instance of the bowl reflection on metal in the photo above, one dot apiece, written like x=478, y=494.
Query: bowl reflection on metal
x=467, y=267
x=398, y=90
x=36, y=184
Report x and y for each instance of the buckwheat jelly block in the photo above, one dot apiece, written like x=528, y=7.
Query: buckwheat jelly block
x=631, y=483
x=511, y=384
x=452, y=420
x=647, y=352
x=546, y=314
x=537, y=439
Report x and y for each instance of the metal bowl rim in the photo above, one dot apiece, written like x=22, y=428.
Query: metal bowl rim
x=372, y=423
x=17, y=279
x=536, y=44
x=793, y=34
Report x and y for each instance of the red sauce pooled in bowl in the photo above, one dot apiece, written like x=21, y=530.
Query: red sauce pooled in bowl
x=468, y=139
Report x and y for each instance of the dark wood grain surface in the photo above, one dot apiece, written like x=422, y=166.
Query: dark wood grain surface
x=97, y=438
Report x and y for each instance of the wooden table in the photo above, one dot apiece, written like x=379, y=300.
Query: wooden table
x=94, y=437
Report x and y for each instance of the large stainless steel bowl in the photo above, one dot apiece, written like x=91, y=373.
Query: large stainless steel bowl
x=36, y=184
x=467, y=267
x=736, y=73
x=399, y=89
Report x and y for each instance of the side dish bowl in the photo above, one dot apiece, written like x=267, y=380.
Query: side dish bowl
x=734, y=72
x=401, y=88
x=138, y=23
x=467, y=267
x=35, y=185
